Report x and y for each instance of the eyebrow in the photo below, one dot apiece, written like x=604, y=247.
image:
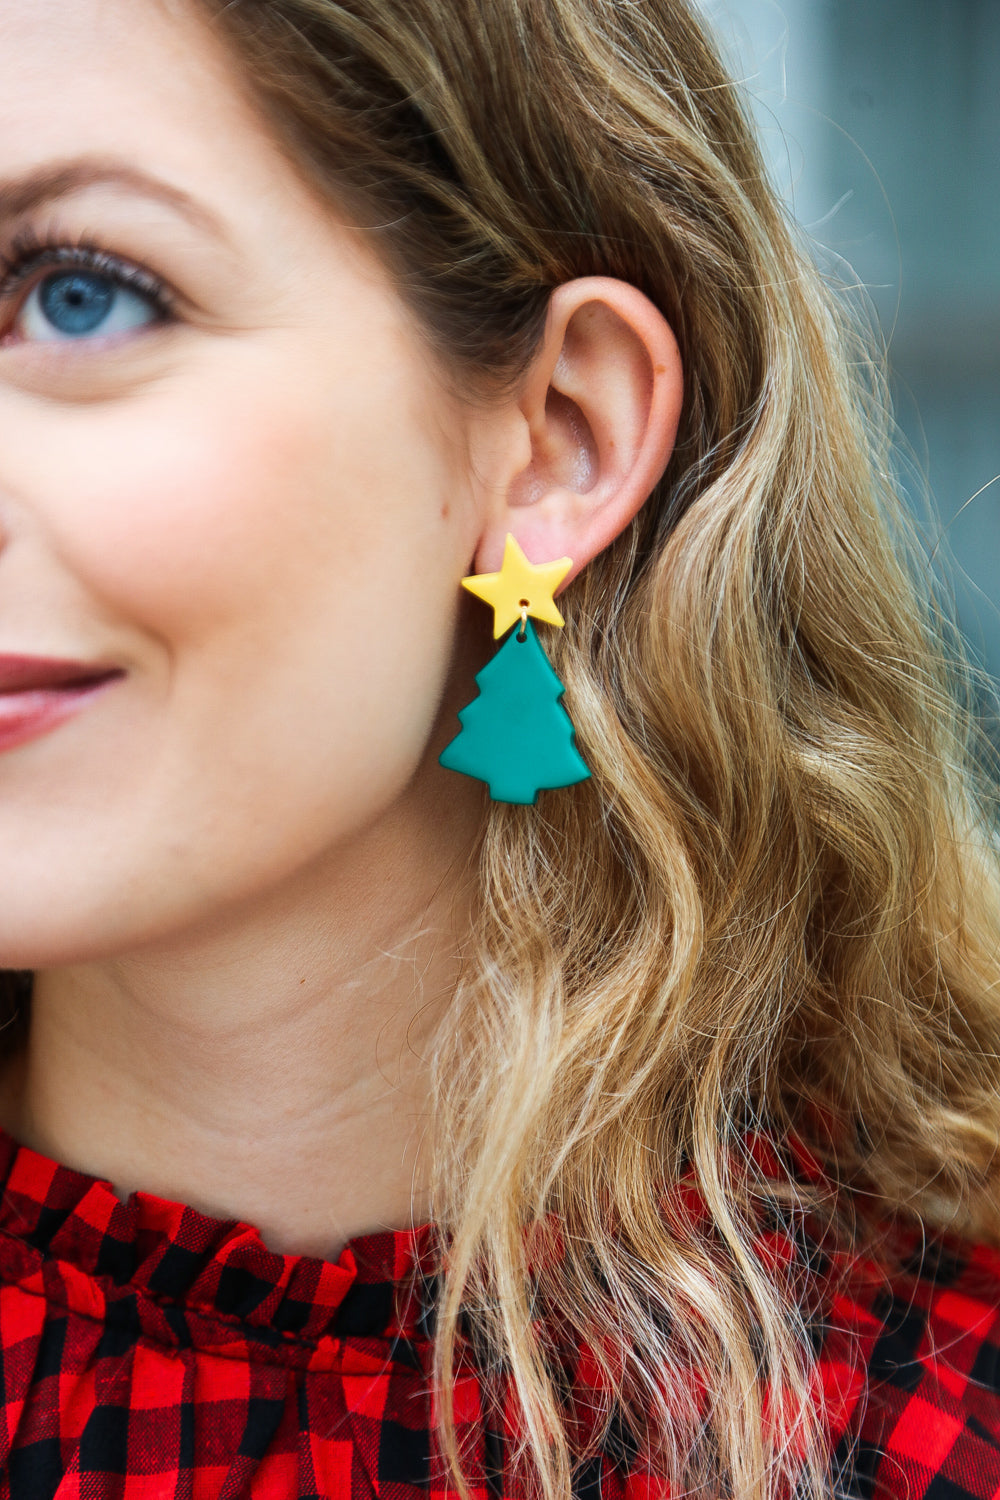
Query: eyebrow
x=21, y=195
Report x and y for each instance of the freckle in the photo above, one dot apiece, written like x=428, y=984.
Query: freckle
x=659, y=369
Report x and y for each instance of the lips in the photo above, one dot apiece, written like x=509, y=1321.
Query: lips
x=39, y=692
x=20, y=674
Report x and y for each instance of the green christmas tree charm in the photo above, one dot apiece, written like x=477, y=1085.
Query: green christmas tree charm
x=516, y=735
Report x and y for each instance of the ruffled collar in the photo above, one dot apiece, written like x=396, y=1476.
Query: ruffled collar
x=195, y=1279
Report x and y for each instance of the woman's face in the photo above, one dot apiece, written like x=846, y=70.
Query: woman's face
x=229, y=477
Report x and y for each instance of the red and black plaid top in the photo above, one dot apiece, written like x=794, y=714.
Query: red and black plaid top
x=149, y=1351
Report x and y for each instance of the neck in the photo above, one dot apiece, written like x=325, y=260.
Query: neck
x=272, y=1068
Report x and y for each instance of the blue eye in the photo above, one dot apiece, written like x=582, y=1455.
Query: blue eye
x=76, y=304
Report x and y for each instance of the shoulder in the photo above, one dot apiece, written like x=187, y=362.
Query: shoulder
x=909, y=1362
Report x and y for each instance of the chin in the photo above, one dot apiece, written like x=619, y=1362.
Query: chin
x=56, y=930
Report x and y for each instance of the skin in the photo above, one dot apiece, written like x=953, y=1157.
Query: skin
x=239, y=873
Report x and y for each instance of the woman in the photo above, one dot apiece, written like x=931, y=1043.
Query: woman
x=308, y=307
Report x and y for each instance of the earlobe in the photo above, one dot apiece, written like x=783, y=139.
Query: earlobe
x=601, y=404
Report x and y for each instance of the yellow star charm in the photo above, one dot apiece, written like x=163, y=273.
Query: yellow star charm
x=519, y=580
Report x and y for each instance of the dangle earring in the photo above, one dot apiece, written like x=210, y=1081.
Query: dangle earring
x=516, y=735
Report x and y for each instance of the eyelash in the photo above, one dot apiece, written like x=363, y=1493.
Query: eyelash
x=30, y=253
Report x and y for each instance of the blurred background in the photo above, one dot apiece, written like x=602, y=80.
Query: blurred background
x=881, y=123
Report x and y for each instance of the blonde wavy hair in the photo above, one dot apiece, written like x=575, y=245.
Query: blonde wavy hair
x=775, y=906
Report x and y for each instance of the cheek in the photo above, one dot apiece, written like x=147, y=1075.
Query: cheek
x=281, y=558
x=239, y=496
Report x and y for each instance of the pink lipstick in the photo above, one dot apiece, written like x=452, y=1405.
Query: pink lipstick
x=39, y=692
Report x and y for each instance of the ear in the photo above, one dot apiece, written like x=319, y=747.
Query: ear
x=596, y=416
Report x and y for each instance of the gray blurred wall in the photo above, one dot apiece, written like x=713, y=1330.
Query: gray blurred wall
x=881, y=121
